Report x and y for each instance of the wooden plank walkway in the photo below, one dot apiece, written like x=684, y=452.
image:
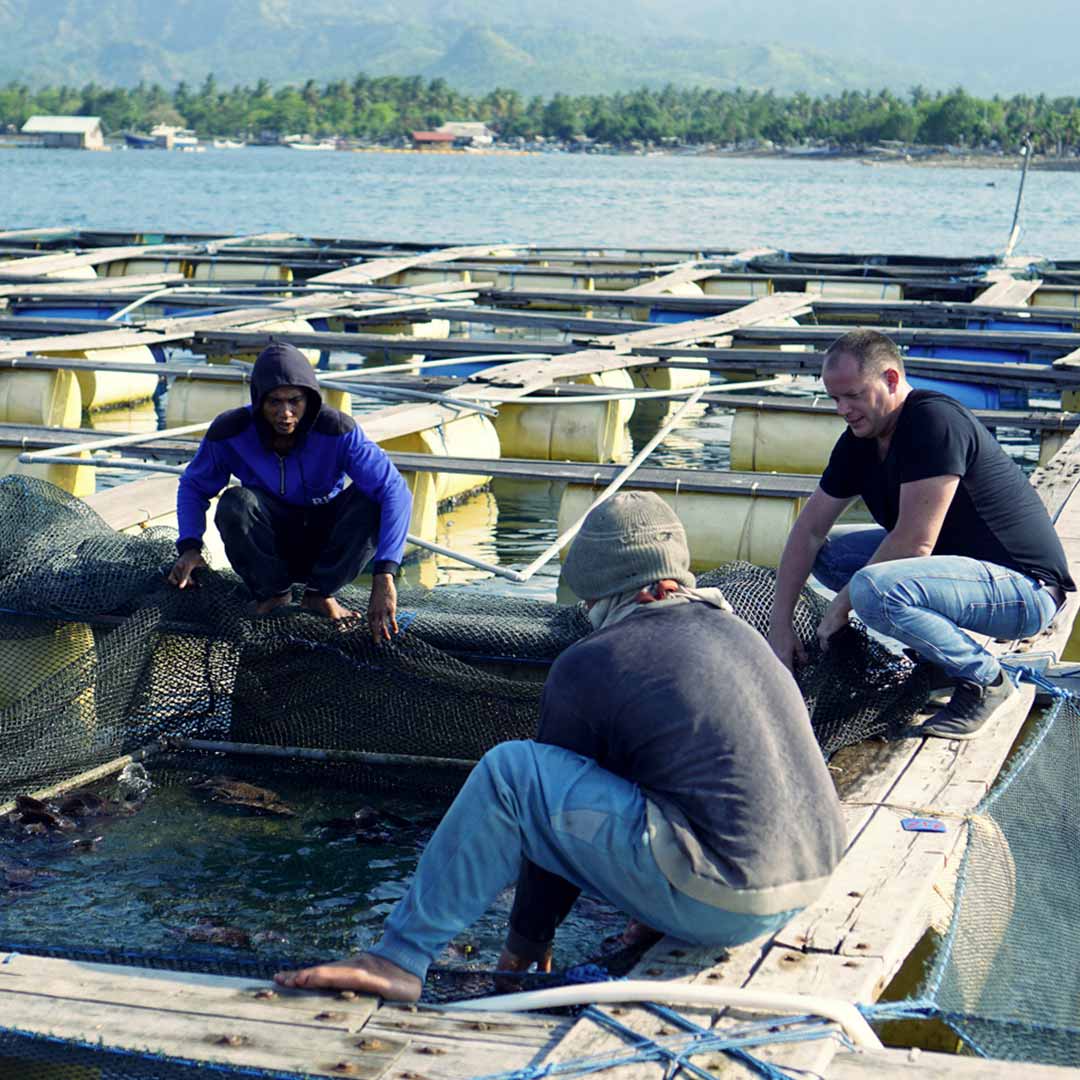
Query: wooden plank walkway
x=250, y=1023
x=366, y=273
x=853, y=939
x=917, y=1065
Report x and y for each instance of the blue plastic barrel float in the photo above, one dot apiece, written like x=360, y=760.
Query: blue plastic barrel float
x=984, y=395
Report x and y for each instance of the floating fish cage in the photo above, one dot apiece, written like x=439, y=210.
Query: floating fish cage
x=203, y=763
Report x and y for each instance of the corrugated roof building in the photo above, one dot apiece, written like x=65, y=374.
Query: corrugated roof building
x=432, y=140
x=69, y=132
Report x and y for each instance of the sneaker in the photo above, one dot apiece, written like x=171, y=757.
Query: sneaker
x=969, y=709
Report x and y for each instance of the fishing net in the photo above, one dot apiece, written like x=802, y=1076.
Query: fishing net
x=102, y=659
x=1007, y=979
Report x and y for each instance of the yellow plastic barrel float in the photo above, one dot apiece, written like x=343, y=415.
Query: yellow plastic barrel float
x=469, y=527
x=676, y=288
x=470, y=436
x=868, y=289
x=423, y=275
x=1059, y=296
x=719, y=527
x=735, y=286
x=775, y=440
x=570, y=432
x=104, y=389
x=224, y=269
x=142, y=264
x=35, y=651
x=195, y=401
x=432, y=328
x=43, y=399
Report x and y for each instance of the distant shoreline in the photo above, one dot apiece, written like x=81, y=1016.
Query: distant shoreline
x=916, y=157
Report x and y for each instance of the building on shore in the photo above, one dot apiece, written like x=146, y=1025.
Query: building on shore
x=468, y=132
x=433, y=140
x=67, y=132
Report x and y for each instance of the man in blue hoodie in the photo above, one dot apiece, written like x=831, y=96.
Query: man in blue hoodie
x=293, y=519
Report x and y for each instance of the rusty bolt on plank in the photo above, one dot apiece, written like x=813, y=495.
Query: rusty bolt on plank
x=329, y=1017
x=345, y=1068
x=347, y=995
x=230, y=1039
x=265, y=994
x=371, y=1045
x=433, y=1051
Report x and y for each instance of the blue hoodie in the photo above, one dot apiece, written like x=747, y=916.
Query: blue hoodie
x=329, y=447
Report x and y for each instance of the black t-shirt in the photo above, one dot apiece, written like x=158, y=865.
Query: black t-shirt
x=995, y=516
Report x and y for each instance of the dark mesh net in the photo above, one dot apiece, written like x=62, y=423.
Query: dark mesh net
x=101, y=657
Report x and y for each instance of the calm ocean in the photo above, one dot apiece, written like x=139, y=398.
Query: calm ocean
x=547, y=198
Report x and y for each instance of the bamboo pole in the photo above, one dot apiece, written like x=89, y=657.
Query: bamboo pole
x=91, y=776
x=305, y=753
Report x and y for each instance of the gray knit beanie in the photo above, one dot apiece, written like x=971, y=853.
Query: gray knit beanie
x=629, y=541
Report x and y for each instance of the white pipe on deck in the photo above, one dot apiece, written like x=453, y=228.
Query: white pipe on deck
x=841, y=1012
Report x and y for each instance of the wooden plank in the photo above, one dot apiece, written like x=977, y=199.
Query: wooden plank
x=57, y=262
x=132, y=283
x=1007, y=291
x=139, y=503
x=1069, y=360
x=920, y=1065
x=195, y=1017
x=445, y=1043
x=764, y=310
x=682, y=274
x=376, y=269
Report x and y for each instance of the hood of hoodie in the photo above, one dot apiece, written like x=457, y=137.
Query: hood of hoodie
x=281, y=364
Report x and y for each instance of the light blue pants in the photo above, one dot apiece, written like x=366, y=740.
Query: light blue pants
x=929, y=602
x=569, y=816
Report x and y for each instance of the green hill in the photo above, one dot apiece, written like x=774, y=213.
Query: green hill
x=544, y=47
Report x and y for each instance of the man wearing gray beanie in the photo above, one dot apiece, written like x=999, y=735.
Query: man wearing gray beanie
x=674, y=774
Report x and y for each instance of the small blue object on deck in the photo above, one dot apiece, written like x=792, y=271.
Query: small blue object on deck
x=922, y=824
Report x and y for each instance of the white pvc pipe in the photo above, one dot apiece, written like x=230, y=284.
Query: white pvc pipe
x=420, y=368
x=841, y=1012
x=115, y=440
x=634, y=395
x=638, y=460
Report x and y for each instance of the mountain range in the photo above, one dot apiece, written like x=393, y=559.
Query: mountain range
x=548, y=46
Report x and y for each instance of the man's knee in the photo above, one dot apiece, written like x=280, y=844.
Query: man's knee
x=234, y=505
x=866, y=598
x=507, y=760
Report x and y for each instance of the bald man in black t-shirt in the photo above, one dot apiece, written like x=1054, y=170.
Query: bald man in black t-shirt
x=962, y=540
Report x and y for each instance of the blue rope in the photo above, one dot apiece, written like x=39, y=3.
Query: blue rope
x=1031, y=675
x=744, y=1037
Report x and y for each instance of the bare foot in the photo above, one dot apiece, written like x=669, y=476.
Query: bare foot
x=326, y=605
x=364, y=972
x=264, y=607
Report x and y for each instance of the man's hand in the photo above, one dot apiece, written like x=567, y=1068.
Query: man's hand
x=382, y=608
x=834, y=619
x=786, y=645
x=185, y=566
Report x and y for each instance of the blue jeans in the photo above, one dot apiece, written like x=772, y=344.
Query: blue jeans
x=569, y=816
x=929, y=602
